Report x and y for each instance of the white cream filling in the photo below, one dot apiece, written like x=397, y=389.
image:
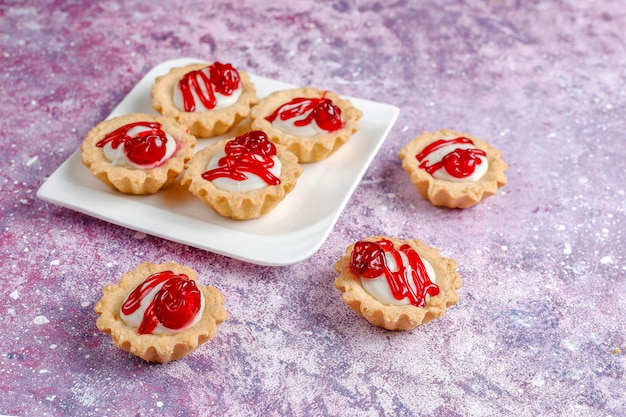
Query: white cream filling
x=134, y=320
x=253, y=182
x=118, y=157
x=288, y=126
x=221, y=101
x=441, y=174
x=379, y=288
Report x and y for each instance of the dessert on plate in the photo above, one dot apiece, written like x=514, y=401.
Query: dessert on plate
x=453, y=169
x=159, y=312
x=311, y=123
x=396, y=284
x=244, y=177
x=137, y=153
x=209, y=99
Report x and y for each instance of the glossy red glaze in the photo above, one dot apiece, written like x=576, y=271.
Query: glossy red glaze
x=250, y=153
x=368, y=260
x=145, y=148
x=174, y=305
x=460, y=163
x=222, y=79
x=326, y=114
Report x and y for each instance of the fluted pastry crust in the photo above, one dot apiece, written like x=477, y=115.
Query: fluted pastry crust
x=207, y=123
x=314, y=148
x=404, y=317
x=131, y=180
x=447, y=193
x=240, y=205
x=157, y=348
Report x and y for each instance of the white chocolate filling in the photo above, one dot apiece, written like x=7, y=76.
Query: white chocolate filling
x=253, y=182
x=221, y=101
x=117, y=156
x=288, y=126
x=441, y=174
x=134, y=320
x=379, y=288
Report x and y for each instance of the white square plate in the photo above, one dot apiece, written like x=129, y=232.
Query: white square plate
x=290, y=233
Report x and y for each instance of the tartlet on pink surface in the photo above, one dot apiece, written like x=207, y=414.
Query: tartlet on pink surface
x=396, y=284
x=144, y=340
x=453, y=169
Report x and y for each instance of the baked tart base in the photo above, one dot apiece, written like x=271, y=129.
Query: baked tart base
x=399, y=317
x=307, y=149
x=130, y=180
x=206, y=123
x=448, y=193
x=162, y=347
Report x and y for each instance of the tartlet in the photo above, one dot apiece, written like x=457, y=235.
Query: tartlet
x=453, y=169
x=379, y=290
x=207, y=98
x=157, y=291
x=244, y=177
x=311, y=123
x=137, y=153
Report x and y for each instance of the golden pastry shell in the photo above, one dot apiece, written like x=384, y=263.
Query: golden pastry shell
x=208, y=123
x=157, y=348
x=311, y=149
x=131, y=180
x=447, y=193
x=404, y=317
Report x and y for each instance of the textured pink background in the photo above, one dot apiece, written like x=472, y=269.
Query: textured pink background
x=539, y=328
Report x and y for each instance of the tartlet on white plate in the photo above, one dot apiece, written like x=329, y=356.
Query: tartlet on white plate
x=137, y=153
x=209, y=99
x=311, y=123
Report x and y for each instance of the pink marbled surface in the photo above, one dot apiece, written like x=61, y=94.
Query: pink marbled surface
x=539, y=328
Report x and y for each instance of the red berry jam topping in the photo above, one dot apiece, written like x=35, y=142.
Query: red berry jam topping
x=460, y=161
x=410, y=280
x=221, y=78
x=174, y=305
x=249, y=153
x=321, y=110
x=144, y=146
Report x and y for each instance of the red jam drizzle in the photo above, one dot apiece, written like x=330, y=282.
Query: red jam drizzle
x=222, y=79
x=326, y=114
x=148, y=147
x=251, y=153
x=174, y=305
x=368, y=260
x=460, y=163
